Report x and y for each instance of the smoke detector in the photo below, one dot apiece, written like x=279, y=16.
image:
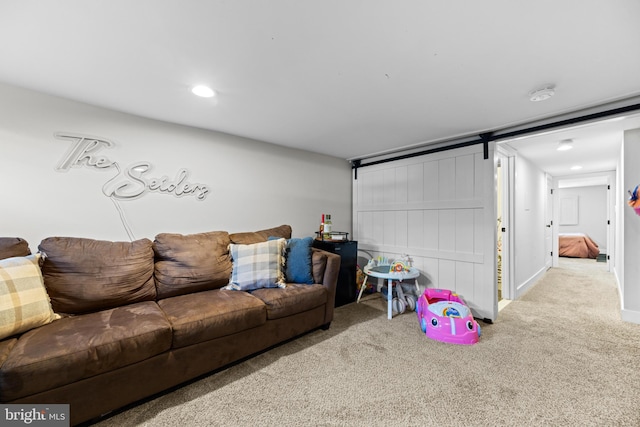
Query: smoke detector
x=542, y=94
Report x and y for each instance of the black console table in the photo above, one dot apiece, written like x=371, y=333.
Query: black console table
x=346, y=290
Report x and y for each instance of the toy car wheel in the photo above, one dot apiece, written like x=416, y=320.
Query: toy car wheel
x=398, y=305
x=411, y=303
x=423, y=325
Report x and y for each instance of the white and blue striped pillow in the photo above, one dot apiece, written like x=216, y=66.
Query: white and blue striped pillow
x=259, y=265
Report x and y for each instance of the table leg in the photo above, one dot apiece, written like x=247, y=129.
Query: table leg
x=389, y=293
x=364, y=284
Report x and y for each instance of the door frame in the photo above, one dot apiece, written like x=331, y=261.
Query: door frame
x=507, y=161
x=550, y=230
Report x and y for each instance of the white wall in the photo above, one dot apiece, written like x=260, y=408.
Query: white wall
x=629, y=273
x=592, y=213
x=529, y=218
x=251, y=184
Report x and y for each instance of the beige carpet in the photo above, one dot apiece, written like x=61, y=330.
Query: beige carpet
x=559, y=356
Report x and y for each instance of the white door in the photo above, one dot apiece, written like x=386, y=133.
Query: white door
x=440, y=209
x=548, y=230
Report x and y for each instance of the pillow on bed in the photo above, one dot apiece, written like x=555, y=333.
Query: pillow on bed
x=258, y=265
x=24, y=302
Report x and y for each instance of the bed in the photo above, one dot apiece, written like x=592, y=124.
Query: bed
x=578, y=245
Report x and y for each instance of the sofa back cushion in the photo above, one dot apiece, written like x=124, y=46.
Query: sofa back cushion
x=86, y=275
x=191, y=263
x=13, y=246
x=318, y=264
x=249, y=238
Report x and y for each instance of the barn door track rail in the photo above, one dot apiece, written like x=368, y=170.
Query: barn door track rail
x=486, y=138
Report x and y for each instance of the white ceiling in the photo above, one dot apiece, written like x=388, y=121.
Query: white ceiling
x=344, y=78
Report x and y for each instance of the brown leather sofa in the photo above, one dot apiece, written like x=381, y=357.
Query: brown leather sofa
x=141, y=317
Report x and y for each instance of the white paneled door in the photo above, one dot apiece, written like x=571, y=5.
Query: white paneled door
x=440, y=209
x=548, y=231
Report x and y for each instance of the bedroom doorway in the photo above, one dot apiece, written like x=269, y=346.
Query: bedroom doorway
x=595, y=211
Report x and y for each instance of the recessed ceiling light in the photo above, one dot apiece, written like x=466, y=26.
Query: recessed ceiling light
x=576, y=168
x=565, y=144
x=542, y=94
x=203, y=91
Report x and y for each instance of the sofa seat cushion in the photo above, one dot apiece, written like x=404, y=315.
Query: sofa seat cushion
x=207, y=315
x=295, y=298
x=78, y=347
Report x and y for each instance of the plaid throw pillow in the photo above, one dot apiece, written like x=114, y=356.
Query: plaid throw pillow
x=24, y=303
x=257, y=266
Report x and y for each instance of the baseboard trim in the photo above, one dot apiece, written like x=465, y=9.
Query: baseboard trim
x=630, y=316
x=525, y=286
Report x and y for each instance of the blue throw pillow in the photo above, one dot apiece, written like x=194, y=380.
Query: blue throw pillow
x=298, y=267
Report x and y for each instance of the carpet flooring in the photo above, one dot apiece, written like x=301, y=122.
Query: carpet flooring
x=558, y=356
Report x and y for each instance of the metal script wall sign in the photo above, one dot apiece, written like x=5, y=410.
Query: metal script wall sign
x=130, y=182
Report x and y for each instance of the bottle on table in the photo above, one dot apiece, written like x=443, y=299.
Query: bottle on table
x=327, y=226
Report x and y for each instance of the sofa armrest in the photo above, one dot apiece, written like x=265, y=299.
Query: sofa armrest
x=326, y=266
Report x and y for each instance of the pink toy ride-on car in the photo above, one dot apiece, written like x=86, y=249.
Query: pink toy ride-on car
x=444, y=316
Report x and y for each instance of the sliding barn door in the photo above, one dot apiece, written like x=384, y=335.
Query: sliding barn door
x=439, y=209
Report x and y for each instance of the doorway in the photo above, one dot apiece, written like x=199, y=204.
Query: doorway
x=597, y=217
